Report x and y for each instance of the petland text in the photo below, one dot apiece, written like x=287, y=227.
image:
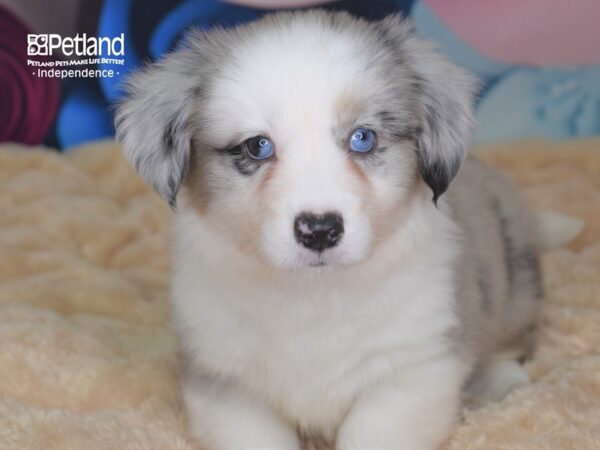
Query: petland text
x=80, y=45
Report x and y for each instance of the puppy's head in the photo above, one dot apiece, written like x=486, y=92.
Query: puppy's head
x=302, y=138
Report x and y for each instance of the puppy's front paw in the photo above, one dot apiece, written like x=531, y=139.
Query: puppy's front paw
x=414, y=411
x=223, y=417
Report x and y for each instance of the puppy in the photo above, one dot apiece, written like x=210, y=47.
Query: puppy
x=334, y=274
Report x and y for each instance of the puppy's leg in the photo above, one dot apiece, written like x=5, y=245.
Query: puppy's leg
x=221, y=417
x=414, y=411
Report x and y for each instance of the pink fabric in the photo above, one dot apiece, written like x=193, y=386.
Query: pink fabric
x=28, y=104
x=537, y=32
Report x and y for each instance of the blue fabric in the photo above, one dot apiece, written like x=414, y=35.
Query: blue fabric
x=551, y=103
x=83, y=117
x=199, y=13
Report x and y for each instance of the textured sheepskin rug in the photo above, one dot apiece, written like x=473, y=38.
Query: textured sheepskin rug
x=87, y=360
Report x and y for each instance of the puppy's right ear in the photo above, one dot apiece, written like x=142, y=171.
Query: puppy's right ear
x=153, y=121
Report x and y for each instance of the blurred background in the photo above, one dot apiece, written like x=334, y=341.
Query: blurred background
x=539, y=60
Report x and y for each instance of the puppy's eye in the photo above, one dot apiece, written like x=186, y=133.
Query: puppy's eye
x=362, y=140
x=259, y=147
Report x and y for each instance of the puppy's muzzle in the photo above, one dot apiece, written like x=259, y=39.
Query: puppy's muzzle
x=319, y=232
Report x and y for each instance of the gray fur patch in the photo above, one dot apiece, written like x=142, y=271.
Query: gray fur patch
x=483, y=283
x=521, y=261
x=443, y=93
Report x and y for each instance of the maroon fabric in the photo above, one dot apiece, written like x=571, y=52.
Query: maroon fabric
x=28, y=103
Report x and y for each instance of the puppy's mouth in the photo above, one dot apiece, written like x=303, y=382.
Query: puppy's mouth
x=328, y=258
x=318, y=263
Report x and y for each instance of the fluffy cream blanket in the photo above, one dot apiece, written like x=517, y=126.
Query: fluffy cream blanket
x=86, y=357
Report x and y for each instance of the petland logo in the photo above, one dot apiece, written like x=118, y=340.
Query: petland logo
x=80, y=45
x=101, y=57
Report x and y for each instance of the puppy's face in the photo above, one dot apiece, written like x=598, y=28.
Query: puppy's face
x=301, y=138
x=301, y=160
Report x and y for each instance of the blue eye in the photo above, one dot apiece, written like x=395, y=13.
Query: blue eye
x=259, y=147
x=362, y=140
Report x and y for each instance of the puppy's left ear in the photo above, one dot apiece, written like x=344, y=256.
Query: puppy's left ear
x=444, y=94
x=447, y=101
x=153, y=121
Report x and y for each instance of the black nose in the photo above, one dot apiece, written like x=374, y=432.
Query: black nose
x=319, y=232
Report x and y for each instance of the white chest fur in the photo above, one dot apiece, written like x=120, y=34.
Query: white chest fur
x=310, y=347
